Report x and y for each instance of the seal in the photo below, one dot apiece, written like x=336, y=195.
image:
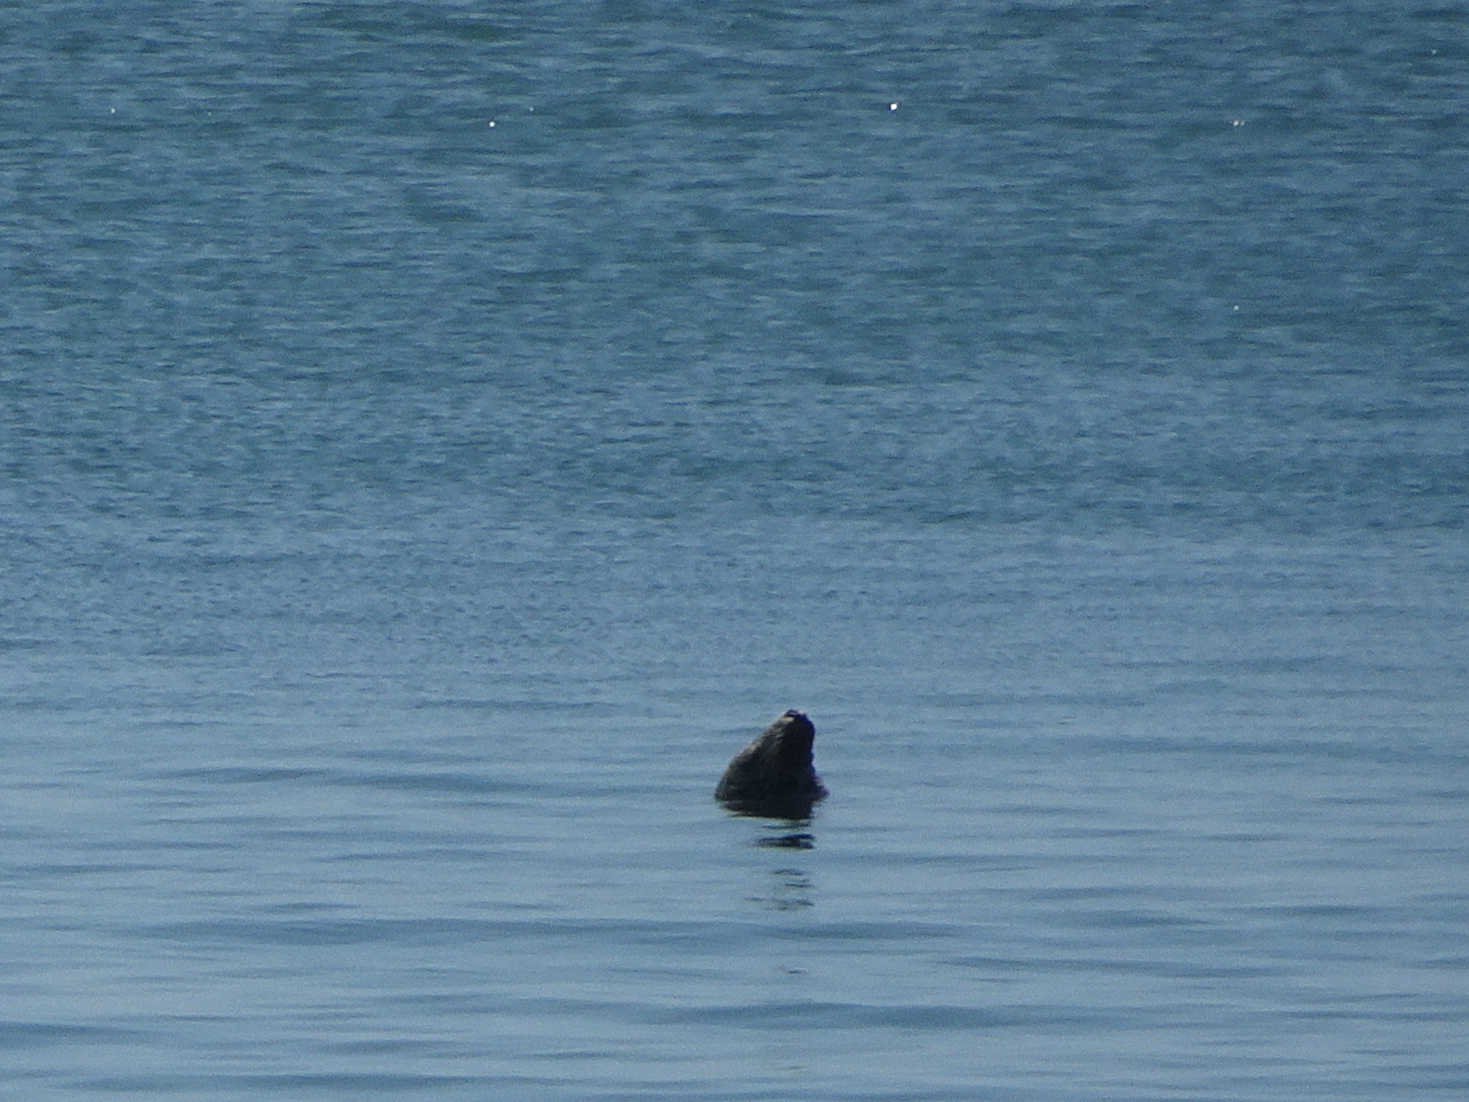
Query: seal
x=774, y=776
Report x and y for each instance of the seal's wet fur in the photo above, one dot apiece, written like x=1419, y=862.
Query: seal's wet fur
x=774, y=776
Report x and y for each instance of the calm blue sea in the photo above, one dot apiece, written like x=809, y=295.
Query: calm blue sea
x=435, y=436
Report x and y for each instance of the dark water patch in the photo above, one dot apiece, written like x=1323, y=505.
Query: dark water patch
x=1447, y=961
x=1379, y=1010
x=24, y=643
x=324, y=932
x=16, y=1034
x=240, y=774
x=442, y=931
x=323, y=1084
x=875, y=932
x=1103, y=832
x=334, y=1082
x=387, y=1046
x=304, y=907
x=1452, y=796
x=443, y=783
x=1090, y=892
x=1132, y=918
x=47, y=870
x=1317, y=911
x=999, y=969
x=1046, y=810
x=409, y=23
x=1453, y=1079
x=516, y=705
x=452, y=849
x=788, y=841
x=546, y=933
x=836, y=1015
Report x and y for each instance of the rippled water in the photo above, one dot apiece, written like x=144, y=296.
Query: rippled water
x=434, y=439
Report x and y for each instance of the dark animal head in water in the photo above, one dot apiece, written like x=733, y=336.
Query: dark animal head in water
x=774, y=775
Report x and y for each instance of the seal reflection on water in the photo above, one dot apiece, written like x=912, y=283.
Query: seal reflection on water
x=774, y=776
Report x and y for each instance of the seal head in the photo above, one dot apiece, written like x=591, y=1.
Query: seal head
x=774, y=775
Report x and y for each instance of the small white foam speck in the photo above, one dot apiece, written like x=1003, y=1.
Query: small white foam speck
x=892, y=107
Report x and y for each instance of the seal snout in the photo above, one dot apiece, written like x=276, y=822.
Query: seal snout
x=797, y=738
